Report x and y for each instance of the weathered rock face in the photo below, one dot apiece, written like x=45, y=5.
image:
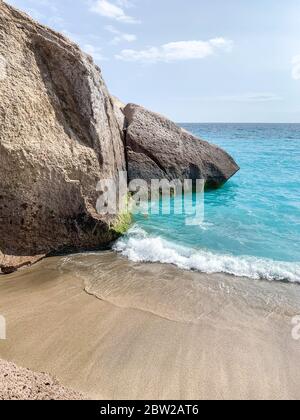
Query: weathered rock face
x=118, y=108
x=158, y=149
x=59, y=136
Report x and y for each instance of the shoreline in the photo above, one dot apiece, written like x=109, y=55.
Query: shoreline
x=156, y=247
x=167, y=333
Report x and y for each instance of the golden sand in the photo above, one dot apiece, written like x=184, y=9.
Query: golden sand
x=151, y=331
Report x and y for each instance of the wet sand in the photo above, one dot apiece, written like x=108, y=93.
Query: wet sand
x=113, y=329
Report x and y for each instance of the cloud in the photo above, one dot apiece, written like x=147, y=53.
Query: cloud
x=35, y=14
x=113, y=11
x=86, y=46
x=125, y=3
x=95, y=52
x=253, y=97
x=123, y=37
x=250, y=97
x=296, y=67
x=177, y=51
x=37, y=9
x=120, y=36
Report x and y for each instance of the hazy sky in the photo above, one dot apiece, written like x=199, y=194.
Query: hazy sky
x=192, y=60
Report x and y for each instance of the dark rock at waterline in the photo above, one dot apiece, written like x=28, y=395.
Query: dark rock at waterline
x=159, y=149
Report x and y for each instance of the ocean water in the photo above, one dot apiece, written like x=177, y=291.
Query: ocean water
x=252, y=224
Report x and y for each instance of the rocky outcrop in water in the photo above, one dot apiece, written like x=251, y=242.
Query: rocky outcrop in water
x=159, y=149
x=61, y=132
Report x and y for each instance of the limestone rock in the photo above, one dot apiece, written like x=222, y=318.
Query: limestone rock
x=59, y=136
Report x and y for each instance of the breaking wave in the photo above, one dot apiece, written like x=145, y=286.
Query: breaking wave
x=139, y=246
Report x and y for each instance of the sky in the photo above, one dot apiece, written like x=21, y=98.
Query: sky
x=192, y=60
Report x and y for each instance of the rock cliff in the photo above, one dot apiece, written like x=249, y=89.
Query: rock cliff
x=61, y=132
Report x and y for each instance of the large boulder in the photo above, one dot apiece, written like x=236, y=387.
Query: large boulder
x=59, y=135
x=159, y=149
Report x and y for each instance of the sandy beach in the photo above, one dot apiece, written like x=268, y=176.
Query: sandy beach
x=112, y=329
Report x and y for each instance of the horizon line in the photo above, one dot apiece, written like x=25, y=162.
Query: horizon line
x=224, y=122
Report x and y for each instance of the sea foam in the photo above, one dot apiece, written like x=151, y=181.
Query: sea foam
x=139, y=246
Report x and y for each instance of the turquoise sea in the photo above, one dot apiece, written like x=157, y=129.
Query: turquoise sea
x=252, y=224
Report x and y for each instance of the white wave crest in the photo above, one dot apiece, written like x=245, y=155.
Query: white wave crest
x=140, y=247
